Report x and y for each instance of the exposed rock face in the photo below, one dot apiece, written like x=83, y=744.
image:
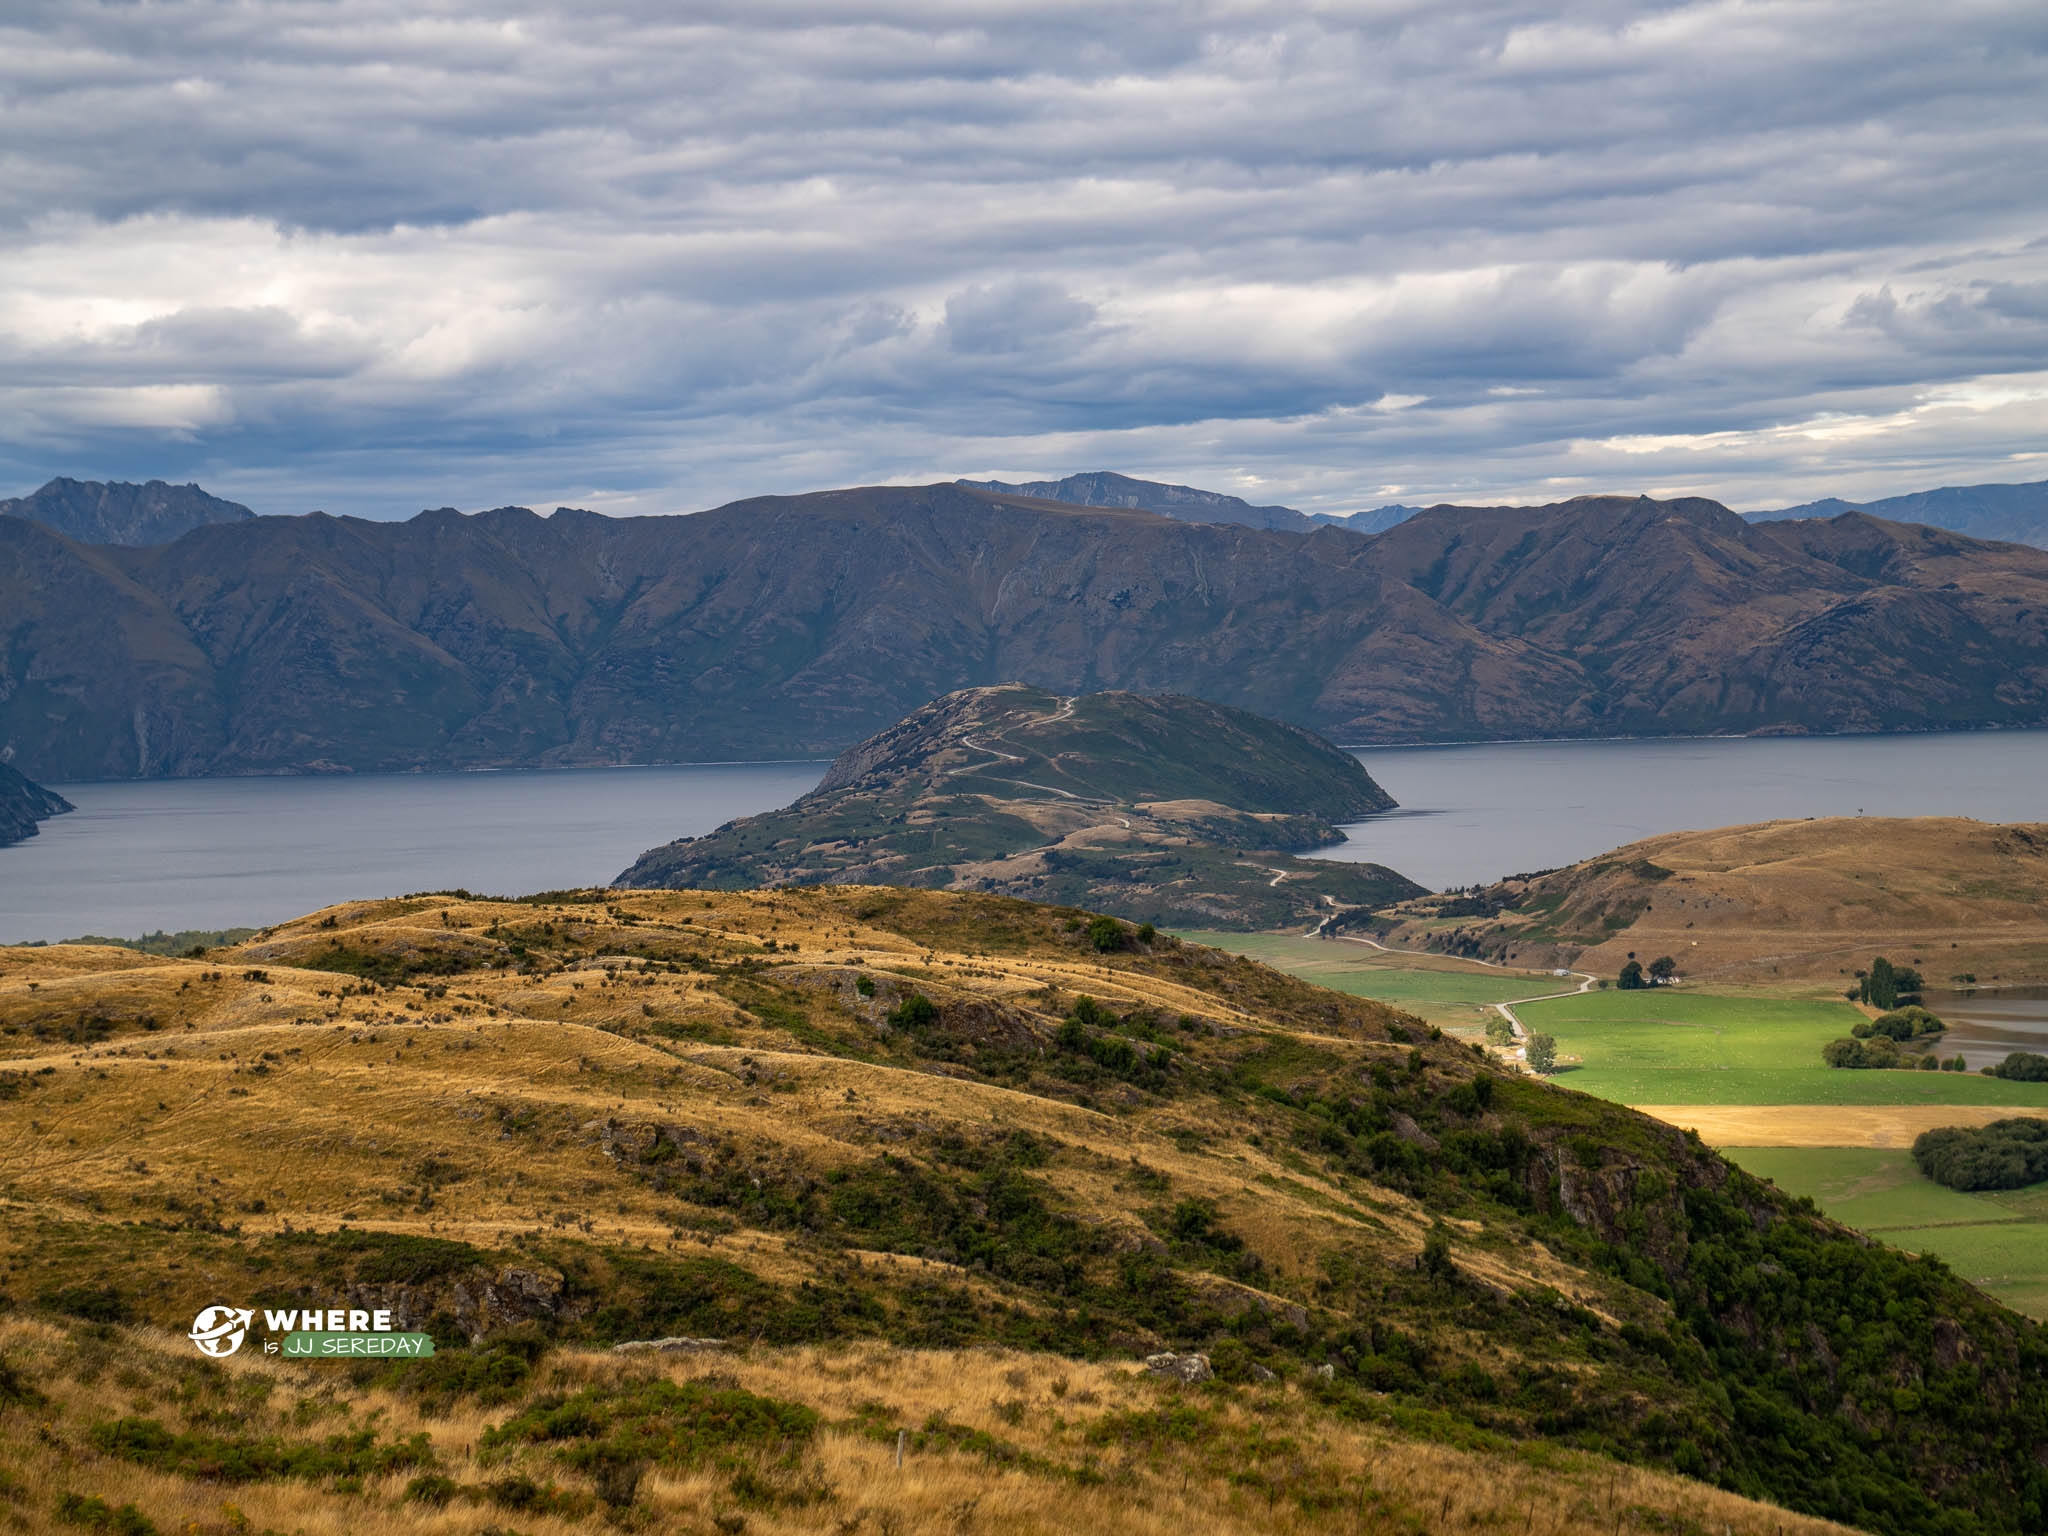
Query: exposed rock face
x=1158, y=809
x=1189, y=1368
x=792, y=626
x=482, y=1302
x=23, y=803
x=97, y=512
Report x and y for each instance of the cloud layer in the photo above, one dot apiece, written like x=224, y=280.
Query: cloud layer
x=641, y=257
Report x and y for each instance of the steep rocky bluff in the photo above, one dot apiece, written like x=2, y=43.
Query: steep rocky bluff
x=1163, y=809
x=23, y=803
x=793, y=626
x=116, y=512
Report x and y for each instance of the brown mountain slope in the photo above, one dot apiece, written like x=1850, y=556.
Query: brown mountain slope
x=793, y=626
x=1786, y=900
x=870, y=1138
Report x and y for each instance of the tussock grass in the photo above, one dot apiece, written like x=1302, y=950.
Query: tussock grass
x=997, y=1441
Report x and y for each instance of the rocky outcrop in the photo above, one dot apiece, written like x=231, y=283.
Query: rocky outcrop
x=23, y=803
x=1190, y=1368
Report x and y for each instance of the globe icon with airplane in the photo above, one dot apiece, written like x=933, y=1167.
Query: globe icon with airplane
x=219, y=1331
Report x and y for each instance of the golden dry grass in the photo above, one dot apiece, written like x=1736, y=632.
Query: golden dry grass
x=252, y=1093
x=286, y=1106
x=1802, y=903
x=1023, y=1443
x=1824, y=1125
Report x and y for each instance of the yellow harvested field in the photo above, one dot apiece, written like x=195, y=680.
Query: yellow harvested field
x=1823, y=1125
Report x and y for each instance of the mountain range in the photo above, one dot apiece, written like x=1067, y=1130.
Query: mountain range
x=2016, y=513
x=116, y=512
x=1160, y=809
x=1100, y=488
x=96, y=512
x=792, y=626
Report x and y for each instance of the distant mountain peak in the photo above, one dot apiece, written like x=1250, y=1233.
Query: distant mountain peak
x=119, y=512
x=1106, y=488
x=1190, y=504
x=2015, y=514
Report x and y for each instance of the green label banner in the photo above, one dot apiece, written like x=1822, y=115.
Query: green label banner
x=357, y=1346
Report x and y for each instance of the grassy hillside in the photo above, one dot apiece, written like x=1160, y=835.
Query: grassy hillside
x=1774, y=903
x=540, y=1128
x=1167, y=809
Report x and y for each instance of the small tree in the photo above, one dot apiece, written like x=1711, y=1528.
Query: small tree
x=1106, y=934
x=1542, y=1054
x=1631, y=977
x=915, y=1012
x=1663, y=971
x=1498, y=1031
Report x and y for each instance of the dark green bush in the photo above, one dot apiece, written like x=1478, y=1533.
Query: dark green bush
x=2005, y=1154
x=2023, y=1067
x=95, y=1514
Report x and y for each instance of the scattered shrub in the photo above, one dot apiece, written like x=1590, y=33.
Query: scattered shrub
x=95, y=1514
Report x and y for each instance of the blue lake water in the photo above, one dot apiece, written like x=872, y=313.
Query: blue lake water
x=1472, y=814
x=221, y=853
x=214, y=853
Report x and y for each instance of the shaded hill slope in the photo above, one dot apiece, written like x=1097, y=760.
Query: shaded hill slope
x=1162, y=809
x=591, y=1117
x=117, y=512
x=23, y=803
x=1790, y=899
x=792, y=626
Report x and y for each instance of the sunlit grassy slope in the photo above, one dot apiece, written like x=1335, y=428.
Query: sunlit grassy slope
x=915, y=1156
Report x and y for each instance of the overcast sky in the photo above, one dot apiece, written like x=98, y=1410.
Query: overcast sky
x=374, y=255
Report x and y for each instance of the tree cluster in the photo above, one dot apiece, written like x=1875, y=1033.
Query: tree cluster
x=1661, y=972
x=1901, y=1024
x=1882, y=1051
x=1887, y=986
x=2022, y=1067
x=2002, y=1155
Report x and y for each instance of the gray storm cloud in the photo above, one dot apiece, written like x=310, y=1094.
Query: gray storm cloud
x=649, y=257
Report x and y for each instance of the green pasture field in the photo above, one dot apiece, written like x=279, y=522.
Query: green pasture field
x=1996, y=1239
x=1670, y=1046
x=1450, y=997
